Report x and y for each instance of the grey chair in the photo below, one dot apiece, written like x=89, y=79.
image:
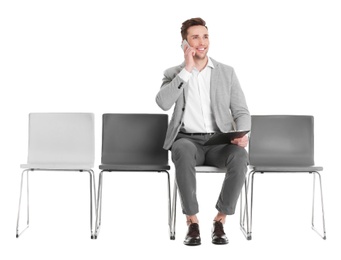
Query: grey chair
x=59, y=142
x=211, y=169
x=133, y=143
x=282, y=144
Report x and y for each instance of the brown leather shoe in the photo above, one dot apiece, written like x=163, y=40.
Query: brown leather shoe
x=218, y=234
x=193, y=235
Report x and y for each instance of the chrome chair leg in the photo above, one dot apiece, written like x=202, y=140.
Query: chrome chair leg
x=322, y=207
x=99, y=205
x=93, y=204
x=248, y=211
x=169, y=204
x=252, y=174
x=244, y=214
x=173, y=218
x=18, y=233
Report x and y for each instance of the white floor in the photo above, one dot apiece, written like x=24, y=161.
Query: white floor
x=109, y=56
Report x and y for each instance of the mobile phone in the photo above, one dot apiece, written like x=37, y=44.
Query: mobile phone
x=184, y=43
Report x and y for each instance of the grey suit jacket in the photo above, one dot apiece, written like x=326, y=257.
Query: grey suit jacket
x=227, y=99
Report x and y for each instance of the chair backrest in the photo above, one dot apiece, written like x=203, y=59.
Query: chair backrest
x=134, y=139
x=61, y=138
x=282, y=140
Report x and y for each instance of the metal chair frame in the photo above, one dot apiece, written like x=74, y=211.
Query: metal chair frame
x=92, y=198
x=250, y=181
x=243, y=209
x=99, y=201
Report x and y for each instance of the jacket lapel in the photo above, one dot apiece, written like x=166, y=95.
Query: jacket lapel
x=214, y=83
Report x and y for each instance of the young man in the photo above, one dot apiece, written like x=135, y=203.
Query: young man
x=208, y=99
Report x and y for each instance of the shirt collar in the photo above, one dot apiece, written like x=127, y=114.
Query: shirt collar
x=210, y=63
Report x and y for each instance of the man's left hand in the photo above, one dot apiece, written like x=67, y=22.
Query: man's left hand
x=242, y=142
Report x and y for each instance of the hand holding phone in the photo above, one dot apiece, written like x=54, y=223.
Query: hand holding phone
x=189, y=54
x=184, y=43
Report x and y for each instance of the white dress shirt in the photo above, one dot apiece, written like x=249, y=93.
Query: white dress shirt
x=198, y=117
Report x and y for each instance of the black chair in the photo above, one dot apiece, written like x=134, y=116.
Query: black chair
x=282, y=144
x=133, y=143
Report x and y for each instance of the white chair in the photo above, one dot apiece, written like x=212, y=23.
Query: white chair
x=60, y=142
x=211, y=169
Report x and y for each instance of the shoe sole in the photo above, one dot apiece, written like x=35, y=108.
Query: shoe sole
x=193, y=243
x=220, y=243
x=219, y=240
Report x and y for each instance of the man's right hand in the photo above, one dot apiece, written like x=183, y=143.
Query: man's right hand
x=189, y=60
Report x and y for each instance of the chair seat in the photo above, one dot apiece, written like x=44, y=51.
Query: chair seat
x=286, y=168
x=133, y=167
x=57, y=166
x=205, y=168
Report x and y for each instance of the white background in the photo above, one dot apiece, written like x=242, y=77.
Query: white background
x=109, y=57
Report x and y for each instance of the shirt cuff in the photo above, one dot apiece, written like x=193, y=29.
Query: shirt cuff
x=185, y=75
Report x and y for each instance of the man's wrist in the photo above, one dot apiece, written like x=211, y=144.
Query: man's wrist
x=185, y=75
x=189, y=69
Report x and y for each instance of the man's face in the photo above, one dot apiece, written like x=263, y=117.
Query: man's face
x=197, y=37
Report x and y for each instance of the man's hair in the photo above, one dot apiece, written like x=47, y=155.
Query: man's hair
x=191, y=22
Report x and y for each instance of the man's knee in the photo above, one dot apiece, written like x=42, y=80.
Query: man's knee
x=183, y=147
x=238, y=156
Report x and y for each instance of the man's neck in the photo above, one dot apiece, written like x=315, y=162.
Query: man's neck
x=200, y=64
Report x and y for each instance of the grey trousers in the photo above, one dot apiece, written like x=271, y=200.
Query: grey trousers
x=189, y=151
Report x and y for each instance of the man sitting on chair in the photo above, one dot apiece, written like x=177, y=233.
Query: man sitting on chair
x=208, y=99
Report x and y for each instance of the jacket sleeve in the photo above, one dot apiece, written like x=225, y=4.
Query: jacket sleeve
x=171, y=89
x=238, y=106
